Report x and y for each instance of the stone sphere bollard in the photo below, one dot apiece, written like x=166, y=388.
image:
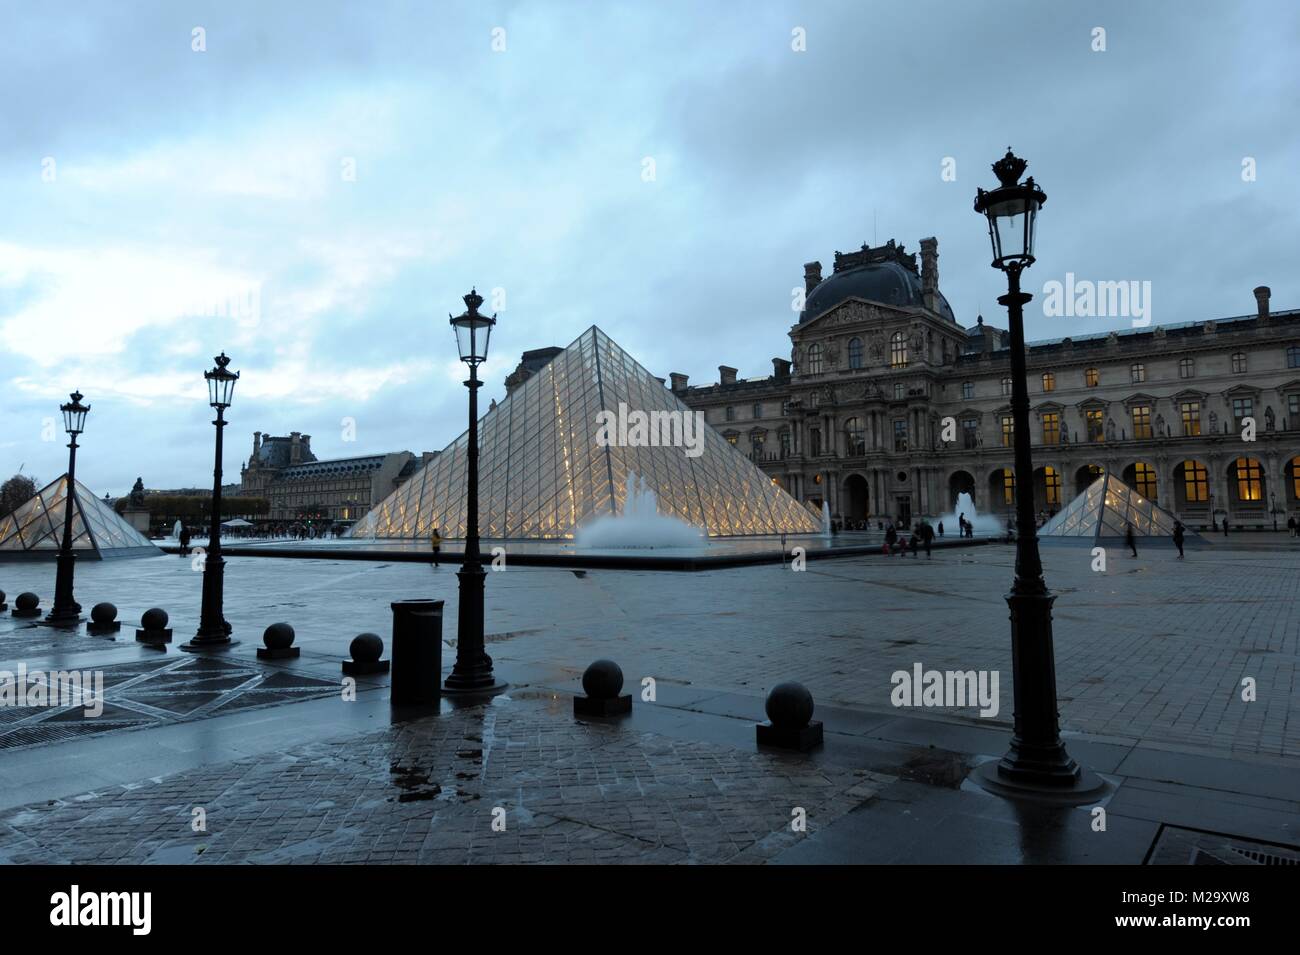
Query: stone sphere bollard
x=789, y=706
x=791, y=726
x=366, y=649
x=602, y=682
x=27, y=604
x=103, y=619
x=153, y=628
x=3, y=605
x=278, y=638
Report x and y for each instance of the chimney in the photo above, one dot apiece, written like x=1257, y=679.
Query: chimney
x=812, y=274
x=1261, y=300
x=726, y=375
x=930, y=273
x=678, y=380
x=295, y=447
x=780, y=368
x=257, y=442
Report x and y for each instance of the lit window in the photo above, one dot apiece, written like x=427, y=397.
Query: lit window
x=855, y=353
x=1144, y=480
x=968, y=390
x=1191, y=413
x=1137, y=373
x=1008, y=486
x=1049, y=381
x=1239, y=363
x=732, y=437
x=1295, y=478
x=1250, y=480
x=1008, y=431
x=1141, y=421
x=900, y=435
x=814, y=359
x=1052, y=485
x=1091, y=377
x=1096, y=425
x=1187, y=368
x=1242, y=408
x=1006, y=387
x=1051, y=427
x=897, y=350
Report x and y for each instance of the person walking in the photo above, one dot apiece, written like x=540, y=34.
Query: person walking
x=914, y=546
x=1178, y=538
x=891, y=536
x=1225, y=525
x=1129, y=540
x=941, y=528
x=1291, y=526
x=927, y=537
x=436, y=539
x=185, y=541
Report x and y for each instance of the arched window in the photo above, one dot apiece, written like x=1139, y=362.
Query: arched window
x=1196, y=482
x=855, y=353
x=898, y=350
x=814, y=359
x=855, y=436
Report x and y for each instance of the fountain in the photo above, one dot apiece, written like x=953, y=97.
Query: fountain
x=640, y=526
x=826, y=519
x=176, y=531
x=984, y=524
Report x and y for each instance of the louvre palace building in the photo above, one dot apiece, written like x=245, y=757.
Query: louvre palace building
x=889, y=408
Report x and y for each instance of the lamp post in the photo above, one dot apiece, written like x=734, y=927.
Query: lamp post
x=473, y=670
x=214, y=631
x=66, y=612
x=1037, y=764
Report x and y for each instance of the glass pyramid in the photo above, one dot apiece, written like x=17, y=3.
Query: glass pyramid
x=36, y=528
x=542, y=472
x=1105, y=510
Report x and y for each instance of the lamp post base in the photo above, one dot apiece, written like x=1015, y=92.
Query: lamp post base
x=1077, y=789
x=66, y=617
x=204, y=641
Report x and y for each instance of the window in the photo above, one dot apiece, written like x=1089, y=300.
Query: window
x=1293, y=356
x=731, y=437
x=968, y=390
x=855, y=353
x=1144, y=480
x=970, y=433
x=1295, y=477
x=785, y=409
x=1008, y=486
x=856, y=436
x=1137, y=372
x=1052, y=486
x=1293, y=409
x=900, y=391
x=1250, y=480
x=1006, y=387
x=1049, y=381
x=1239, y=363
x=1008, y=431
x=731, y=413
x=900, y=435
x=784, y=438
x=1096, y=424
x=756, y=441
x=1141, y=421
x=1051, y=427
x=758, y=409
x=1186, y=368
x=1191, y=412
x=815, y=439
x=814, y=359
x=897, y=350
x=1091, y=377
x=1242, y=408
x=1196, y=482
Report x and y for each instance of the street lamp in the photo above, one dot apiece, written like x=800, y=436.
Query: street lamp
x=473, y=670
x=1037, y=764
x=66, y=612
x=214, y=631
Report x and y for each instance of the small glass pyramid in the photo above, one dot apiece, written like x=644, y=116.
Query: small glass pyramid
x=542, y=471
x=37, y=526
x=1105, y=510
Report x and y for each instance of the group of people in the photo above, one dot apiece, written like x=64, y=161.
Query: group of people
x=922, y=537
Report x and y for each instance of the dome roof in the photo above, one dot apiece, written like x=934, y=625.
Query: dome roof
x=890, y=282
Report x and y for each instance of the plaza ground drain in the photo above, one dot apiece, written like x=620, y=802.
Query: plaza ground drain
x=1174, y=845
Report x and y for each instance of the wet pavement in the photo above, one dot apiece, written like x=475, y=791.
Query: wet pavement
x=1150, y=659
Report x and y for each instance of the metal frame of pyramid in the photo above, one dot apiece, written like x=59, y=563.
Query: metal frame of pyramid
x=542, y=472
x=35, y=529
x=1103, y=512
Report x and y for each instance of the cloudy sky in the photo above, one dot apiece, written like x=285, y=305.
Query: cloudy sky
x=315, y=188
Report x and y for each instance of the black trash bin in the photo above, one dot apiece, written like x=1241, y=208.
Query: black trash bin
x=417, y=651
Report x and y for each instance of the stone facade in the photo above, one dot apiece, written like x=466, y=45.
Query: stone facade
x=299, y=487
x=892, y=408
